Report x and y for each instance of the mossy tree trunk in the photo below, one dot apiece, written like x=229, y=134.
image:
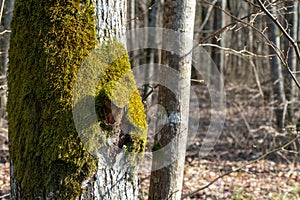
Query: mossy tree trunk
x=166, y=183
x=116, y=180
x=49, y=42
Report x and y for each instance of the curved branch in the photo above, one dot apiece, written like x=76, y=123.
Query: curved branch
x=241, y=167
x=286, y=34
x=275, y=48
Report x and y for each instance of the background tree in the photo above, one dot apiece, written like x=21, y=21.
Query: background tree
x=276, y=72
x=291, y=16
x=166, y=183
x=5, y=19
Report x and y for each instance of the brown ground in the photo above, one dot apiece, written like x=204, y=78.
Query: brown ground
x=249, y=132
x=4, y=162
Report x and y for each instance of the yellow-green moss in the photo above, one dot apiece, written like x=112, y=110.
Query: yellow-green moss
x=107, y=77
x=118, y=85
x=49, y=41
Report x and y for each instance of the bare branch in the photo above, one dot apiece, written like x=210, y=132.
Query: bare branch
x=228, y=26
x=290, y=39
x=242, y=52
x=5, y=31
x=4, y=196
x=207, y=16
x=1, y=10
x=275, y=48
x=142, y=14
x=243, y=166
x=283, y=30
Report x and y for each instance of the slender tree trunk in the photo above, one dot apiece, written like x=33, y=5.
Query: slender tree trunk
x=222, y=55
x=7, y=14
x=133, y=24
x=290, y=87
x=276, y=74
x=198, y=27
x=151, y=54
x=166, y=183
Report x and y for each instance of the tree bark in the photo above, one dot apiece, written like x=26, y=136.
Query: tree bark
x=151, y=54
x=290, y=86
x=276, y=73
x=4, y=41
x=118, y=181
x=166, y=183
x=49, y=161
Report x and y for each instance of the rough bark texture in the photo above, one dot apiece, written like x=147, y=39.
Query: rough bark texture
x=111, y=19
x=50, y=40
x=166, y=183
x=49, y=161
x=116, y=177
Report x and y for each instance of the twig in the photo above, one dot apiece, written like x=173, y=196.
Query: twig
x=197, y=80
x=250, y=3
x=241, y=167
x=285, y=33
x=243, y=116
x=1, y=11
x=5, y=195
x=275, y=48
x=144, y=13
x=242, y=52
x=5, y=31
x=150, y=92
x=207, y=16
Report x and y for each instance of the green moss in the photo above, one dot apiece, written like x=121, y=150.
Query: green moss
x=49, y=41
x=156, y=147
x=108, y=78
x=117, y=84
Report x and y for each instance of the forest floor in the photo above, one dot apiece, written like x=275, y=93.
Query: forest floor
x=248, y=134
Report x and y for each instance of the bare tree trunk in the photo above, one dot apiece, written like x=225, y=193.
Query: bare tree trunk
x=290, y=87
x=166, y=183
x=151, y=54
x=133, y=24
x=7, y=13
x=276, y=74
x=222, y=55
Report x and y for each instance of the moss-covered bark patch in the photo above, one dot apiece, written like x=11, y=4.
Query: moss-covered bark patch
x=106, y=76
x=49, y=41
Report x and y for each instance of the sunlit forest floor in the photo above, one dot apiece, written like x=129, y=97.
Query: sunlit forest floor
x=4, y=160
x=249, y=132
